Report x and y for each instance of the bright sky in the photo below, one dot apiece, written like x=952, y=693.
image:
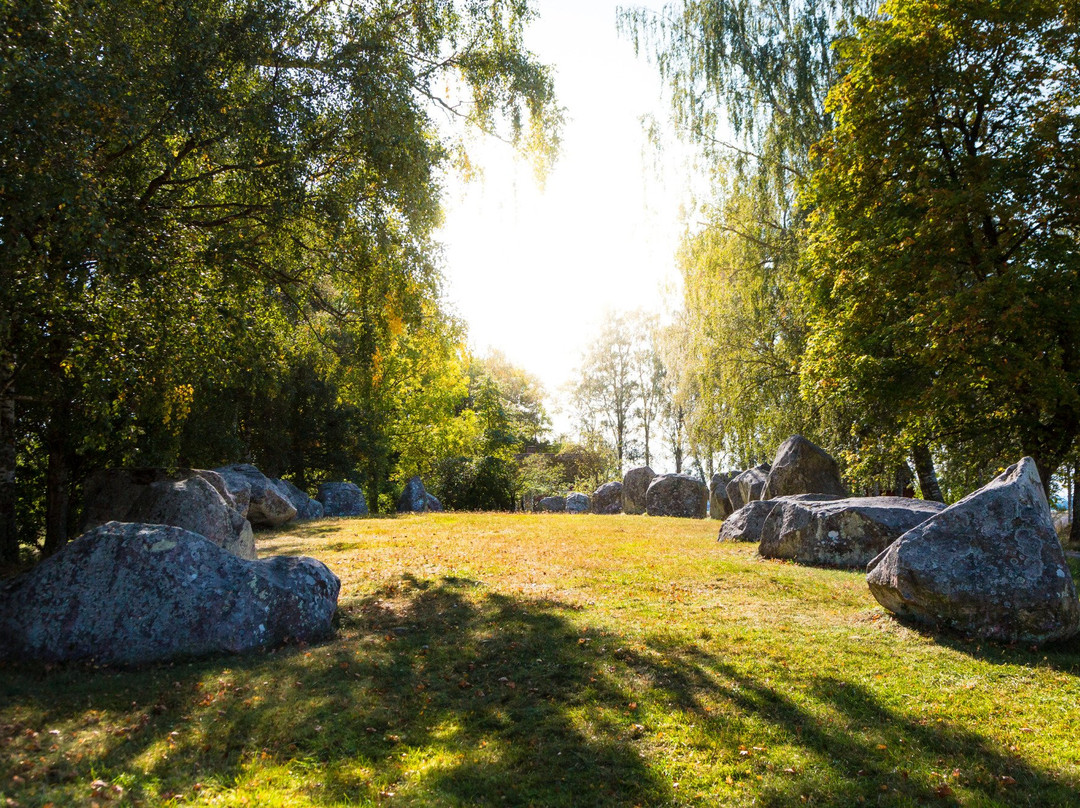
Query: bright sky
x=533, y=271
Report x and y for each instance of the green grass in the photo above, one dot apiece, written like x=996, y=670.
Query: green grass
x=555, y=660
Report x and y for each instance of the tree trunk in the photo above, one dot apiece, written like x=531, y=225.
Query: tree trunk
x=902, y=480
x=9, y=537
x=57, y=492
x=678, y=459
x=924, y=467
x=647, y=463
x=1074, y=506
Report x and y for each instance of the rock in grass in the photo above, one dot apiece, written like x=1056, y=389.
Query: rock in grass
x=801, y=467
x=414, y=497
x=677, y=495
x=840, y=532
x=747, y=523
x=577, y=503
x=989, y=566
x=132, y=593
x=719, y=504
x=193, y=499
x=607, y=499
x=747, y=486
x=635, y=486
x=342, y=499
x=267, y=505
x=433, y=504
x=551, y=505
x=306, y=507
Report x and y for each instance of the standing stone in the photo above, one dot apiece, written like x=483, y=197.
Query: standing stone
x=800, y=467
x=747, y=486
x=551, y=505
x=342, y=499
x=635, y=486
x=267, y=506
x=607, y=499
x=306, y=507
x=184, y=498
x=577, y=503
x=719, y=504
x=433, y=504
x=134, y=593
x=989, y=566
x=677, y=495
x=414, y=499
x=840, y=532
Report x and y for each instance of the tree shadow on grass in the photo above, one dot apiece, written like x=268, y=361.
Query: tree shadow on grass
x=440, y=692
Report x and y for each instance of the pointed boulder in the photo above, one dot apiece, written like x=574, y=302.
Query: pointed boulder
x=989, y=566
x=801, y=467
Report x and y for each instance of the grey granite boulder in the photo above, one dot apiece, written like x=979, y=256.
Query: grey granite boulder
x=747, y=523
x=719, y=504
x=267, y=505
x=186, y=498
x=577, y=503
x=433, y=503
x=551, y=505
x=677, y=495
x=413, y=498
x=635, y=486
x=342, y=499
x=840, y=532
x=747, y=486
x=607, y=499
x=133, y=593
x=801, y=467
x=306, y=507
x=989, y=566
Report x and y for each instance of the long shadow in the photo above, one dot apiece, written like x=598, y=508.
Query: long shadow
x=485, y=688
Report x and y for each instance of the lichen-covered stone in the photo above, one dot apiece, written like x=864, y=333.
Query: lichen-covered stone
x=747, y=486
x=801, y=467
x=267, y=505
x=607, y=499
x=747, y=522
x=840, y=532
x=677, y=495
x=186, y=498
x=635, y=486
x=577, y=503
x=551, y=505
x=719, y=504
x=989, y=566
x=342, y=499
x=413, y=498
x=306, y=507
x=132, y=593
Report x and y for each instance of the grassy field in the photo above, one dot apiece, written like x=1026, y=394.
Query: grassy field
x=554, y=660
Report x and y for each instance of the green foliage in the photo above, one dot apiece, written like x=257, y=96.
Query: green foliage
x=476, y=484
x=225, y=209
x=944, y=254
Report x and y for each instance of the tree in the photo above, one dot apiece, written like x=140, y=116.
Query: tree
x=169, y=168
x=606, y=389
x=648, y=374
x=944, y=256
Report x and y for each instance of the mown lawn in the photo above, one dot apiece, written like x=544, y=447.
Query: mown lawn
x=556, y=660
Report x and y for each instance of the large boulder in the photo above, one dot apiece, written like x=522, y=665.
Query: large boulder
x=306, y=507
x=677, y=495
x=186, y=498
x=132, y=593
x=551, y=505
x=267, y=506
x=433, y=503
x=719, y=504
x=988, y=566
x=840, y=532
x=747, y=523
x=800, y=467
x=342, y=499
x=635, y=485
x=414, y=498
x=747, y=486
x=607, y=499
x=577, y=503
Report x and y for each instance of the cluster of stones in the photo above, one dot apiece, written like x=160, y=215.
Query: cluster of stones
x=990, y=566
x=166, y=568
x=641, y=491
